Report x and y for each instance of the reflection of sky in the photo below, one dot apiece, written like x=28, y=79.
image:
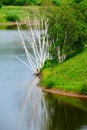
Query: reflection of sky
x=83, y=128
x=8, y=42
x=8, y=111
x=14, y=76
x=8, y=36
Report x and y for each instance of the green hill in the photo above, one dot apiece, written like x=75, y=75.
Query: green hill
x=71, y=75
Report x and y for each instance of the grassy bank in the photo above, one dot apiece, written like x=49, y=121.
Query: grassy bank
x=13, y=13
x=69, y=76
x=7, y=11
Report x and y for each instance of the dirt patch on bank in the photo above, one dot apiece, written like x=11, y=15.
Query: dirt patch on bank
x=10, y=23
x=61, y=92
x=14, y=23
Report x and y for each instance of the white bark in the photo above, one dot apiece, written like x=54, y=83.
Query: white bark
x=39, y=44
x=61, y=56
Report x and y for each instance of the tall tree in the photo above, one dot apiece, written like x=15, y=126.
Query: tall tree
x=66, y=32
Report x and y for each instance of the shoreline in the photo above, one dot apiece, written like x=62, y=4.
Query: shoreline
x=62, y=92
x=14, y=23
x=9, y=23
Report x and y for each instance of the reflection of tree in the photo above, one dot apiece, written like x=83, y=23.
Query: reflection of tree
x=62, y=116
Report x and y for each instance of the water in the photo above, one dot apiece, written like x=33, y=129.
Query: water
x=22, y=110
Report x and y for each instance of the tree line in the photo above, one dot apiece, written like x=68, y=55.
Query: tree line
x=28, y=2
x=34, y=2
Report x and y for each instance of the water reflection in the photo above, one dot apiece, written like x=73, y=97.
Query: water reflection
x=52, y=112
x=11, y=26
x=7, y=27
x=63, y=115
x=23, y=106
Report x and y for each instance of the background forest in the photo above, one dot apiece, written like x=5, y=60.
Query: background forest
x=36, y=2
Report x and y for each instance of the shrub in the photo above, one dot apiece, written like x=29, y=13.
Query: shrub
x=56, y=2
x=83, y=89
x=38, y=2
x=49, y=84
x=12, y=17
x=2, y=17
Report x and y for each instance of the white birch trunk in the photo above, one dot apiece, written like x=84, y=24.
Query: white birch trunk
x=40, y=49
x=59, y=54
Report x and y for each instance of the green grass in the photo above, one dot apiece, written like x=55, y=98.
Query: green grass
x=69, y=76
x=19, y=11
x=11, y=10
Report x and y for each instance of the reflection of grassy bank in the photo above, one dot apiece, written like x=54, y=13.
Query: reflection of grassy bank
x=79, y=103
x=70, y=75
x=65, y=113
x=12, y=25
x=76, y=102
x=8, y=26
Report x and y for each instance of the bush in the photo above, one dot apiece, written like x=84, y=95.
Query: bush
x=83, y=89
x=2, y=17
x=38, y=2
x=56, y=2
x=49, y=84
x=12, y=17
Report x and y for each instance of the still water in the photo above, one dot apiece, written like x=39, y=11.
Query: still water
x=23, y=106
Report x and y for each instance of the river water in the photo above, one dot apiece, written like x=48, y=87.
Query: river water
x=23, y=106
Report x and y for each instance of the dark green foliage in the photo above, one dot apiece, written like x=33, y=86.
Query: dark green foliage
x=0, y=4
x=11, y=2
x=83, y=9
x=68, y=29
x=5, y=2
x=83, y=89
x=50, y=83
x=56, y=2
x=30, y=2
x=47, y=64
x=12, y=17
x=20, y=3
x=37, y=2
x=50, y=63
x=17, y=2
x=8, y=2
x=77, y=1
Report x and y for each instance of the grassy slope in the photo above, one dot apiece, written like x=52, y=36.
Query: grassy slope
x=20, y=11
x=9, y=10
x=70, y=75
